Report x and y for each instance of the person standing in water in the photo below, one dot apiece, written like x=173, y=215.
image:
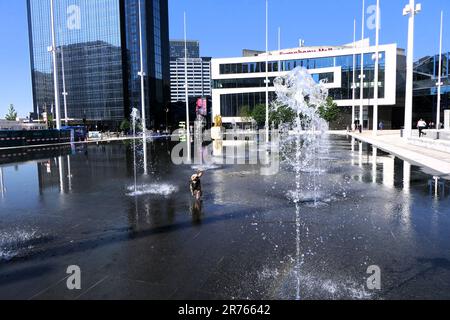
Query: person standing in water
x=196, y=185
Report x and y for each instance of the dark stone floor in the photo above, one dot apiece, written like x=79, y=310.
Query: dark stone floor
x=244, y=243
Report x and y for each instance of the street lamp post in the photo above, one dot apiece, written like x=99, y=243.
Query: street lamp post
x=439, y=83
x=64, y=93
x=267, y=71
x=354, y=74
x=377, y=62
x=186, y=87
x=361, y=76
x=141, y=73
x=410, y=9
x=52, y=49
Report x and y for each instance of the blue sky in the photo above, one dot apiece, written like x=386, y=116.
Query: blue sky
x=225, y=27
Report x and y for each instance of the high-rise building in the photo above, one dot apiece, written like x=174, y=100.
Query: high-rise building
x=199, y=78
x=98, y=58
x=177, y=49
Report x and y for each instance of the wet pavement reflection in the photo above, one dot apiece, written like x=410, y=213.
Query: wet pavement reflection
x=80, y=205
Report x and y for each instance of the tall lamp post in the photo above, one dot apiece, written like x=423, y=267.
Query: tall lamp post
x=52, y=49
x=361, y=76
x=354, y=74
x=141, y=73
x=439, y=83
x=64, y=93
x=186, y=87
x=267, y=71
x=377, y=62
x=410, y=9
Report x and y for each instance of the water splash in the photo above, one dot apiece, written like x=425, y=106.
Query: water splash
x=152, y=189
x=299, y=92
x=135, y=116
x=17, y=242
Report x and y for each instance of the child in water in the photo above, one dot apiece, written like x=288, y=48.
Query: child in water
x=196, y=185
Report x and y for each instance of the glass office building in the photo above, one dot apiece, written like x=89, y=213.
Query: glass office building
x=426, y=73
x=178, y=49
x=98, y=58
x=239, y=83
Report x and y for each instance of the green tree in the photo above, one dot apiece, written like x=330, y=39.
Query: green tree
x=50, y=121
x=12, y=114
x=245, y=113
x=281, y=115
x=125, y=126
x=329, y=111
x=259, y=114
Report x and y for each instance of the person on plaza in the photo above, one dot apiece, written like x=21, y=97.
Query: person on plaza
x=381, y=125
x=196, y=185
x=421, y=125
x=360, y=128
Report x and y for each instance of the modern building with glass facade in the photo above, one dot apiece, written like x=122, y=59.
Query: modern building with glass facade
x=98, y=58
x=240, y=82
x=178, y=48
x=426, y=72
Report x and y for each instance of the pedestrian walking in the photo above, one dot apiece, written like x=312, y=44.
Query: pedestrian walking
x=421, y=125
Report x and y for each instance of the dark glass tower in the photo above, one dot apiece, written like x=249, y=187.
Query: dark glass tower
x=98, y=50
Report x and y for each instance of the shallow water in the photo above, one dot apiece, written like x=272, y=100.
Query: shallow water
x=241, y=242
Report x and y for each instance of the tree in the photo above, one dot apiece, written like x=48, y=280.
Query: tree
x=329, y=111
x=259, y=114
x=281, y=115
x=125, y=126
x=12, y=114
x=245, y=113
x=50, y=121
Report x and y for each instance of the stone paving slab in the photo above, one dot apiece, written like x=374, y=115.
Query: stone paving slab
x=392, y=142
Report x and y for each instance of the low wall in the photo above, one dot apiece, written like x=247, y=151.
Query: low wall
x=23, y=138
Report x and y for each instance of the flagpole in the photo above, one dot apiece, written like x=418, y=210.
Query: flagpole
x=377, y=62
x=439, y=84
x=267, y=71
x=361, y=106
x=188, y=128
x=55, y=68
x=142, y=75
x=354, y=74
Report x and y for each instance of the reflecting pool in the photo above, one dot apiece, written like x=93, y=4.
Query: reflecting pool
x=77, y=205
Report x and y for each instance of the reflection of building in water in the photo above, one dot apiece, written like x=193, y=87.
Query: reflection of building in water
x=360, y=155
x=437, y=186
x=406, y=177
x=374, y=164
x=2, y=183
x=49, y=175
x=388, y=170
x=65, y=172
x=353, y=145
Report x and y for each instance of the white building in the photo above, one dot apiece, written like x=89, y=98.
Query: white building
x=239, y=82
x=199, y=78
